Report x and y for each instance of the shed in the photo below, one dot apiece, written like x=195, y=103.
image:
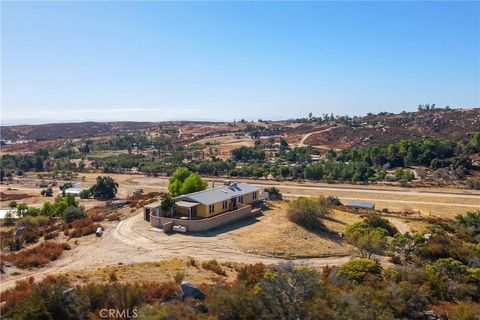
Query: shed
x=361, y=205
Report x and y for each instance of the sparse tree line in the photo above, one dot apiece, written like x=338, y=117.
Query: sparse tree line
x=447, y=158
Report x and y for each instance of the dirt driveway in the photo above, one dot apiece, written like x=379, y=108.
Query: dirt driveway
x=133, y=240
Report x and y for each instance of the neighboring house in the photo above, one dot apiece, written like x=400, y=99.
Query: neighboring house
x=207, y=209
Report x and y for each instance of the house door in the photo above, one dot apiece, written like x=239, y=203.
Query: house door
x=193, y=211
x=147, y=215
x=234, y=203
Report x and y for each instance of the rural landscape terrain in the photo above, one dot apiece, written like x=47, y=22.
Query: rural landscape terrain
x=415, y=255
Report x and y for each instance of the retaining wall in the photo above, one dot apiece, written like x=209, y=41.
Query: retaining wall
x=204, y=224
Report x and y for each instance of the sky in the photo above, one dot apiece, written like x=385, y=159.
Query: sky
x=156, y=61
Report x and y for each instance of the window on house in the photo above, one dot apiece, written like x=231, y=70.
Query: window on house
x=225, y=204
x=240, y=199
x=254, y=196
x=211, y=208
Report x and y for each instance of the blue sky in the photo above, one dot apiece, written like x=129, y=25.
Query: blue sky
x=153, y=61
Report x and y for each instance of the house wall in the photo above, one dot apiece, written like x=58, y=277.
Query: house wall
x=203, y=210
x=244, y=211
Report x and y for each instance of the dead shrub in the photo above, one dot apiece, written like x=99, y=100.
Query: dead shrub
x=192, y=262
x=38, y=255
x=113, y=216
x=178, y=277
x=213, y=266
x=51, y=235
x=251, y=273
x=161, y=292
x=11, y=296
x=82, y=228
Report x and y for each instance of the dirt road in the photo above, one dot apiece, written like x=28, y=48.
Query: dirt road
x=133, y=240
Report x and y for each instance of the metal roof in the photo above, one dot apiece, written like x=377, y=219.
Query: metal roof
x=214, y=195
x=153, y=205
x=186, y=204
x=361, y=204
x=73, y=190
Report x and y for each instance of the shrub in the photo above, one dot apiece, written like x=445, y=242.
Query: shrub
x=51, y=235
x=473, y=183
x=376, y=221
x=74, y=213
x=38, y=255
x=85, y=194
x=179, y=276
x=333, y=201
x=358, y=269
x=10, y=296
x=82, y=228
x=469, y=225
x=368, y=240
x=308, y=212
x=251, y=273
x=213, y=265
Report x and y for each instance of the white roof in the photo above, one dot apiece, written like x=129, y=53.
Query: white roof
x=153, y=205
x=186, y=204
x=214, y=195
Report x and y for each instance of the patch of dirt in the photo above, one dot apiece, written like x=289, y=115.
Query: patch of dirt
x=13, y=196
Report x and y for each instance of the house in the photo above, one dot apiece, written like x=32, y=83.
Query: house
x=361, y=205
x=206, y=209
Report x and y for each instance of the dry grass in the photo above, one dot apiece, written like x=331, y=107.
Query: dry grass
x=276, y=236
x=160, y=271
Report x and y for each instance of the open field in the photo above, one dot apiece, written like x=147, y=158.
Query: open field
x=132, y=240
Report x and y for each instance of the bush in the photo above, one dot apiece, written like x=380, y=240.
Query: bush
x=368, y=240
x=213, y=265
x=74, y=213
x=38, y=255
x=358, y=269
x=376, y=221
x=85, y=194
x=251, y=273
x=333, y=201
x=51, y=235
x=473, y=183
x=82, y=228
x=308, y=212
x=273, y=193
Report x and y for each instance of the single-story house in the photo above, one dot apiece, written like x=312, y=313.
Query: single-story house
x=228, y=203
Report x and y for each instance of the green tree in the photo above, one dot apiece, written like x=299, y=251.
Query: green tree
x=184, y=181
x=105, y=188
x=167, y=202
x=368, y=240
x=193, y=183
